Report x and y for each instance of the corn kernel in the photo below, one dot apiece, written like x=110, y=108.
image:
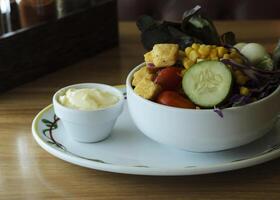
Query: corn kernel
x=188, y=50
x=213, y=53
x=238, y=73
x=230, y=67
x=221, y=51
x=238, y=60
x=213, y=46
x=195, y=46
x=215, y=58
x=187, y=63
x=183, y=72
x=193, y=55
x=226, y=56
x=234, y=54
x=241, y=79
x=204, y=50
x=244, y=91
x=233, y=50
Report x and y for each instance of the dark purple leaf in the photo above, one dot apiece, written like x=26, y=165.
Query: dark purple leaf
x=219, y=112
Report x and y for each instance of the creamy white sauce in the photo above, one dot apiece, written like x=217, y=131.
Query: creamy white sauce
x=87, y=99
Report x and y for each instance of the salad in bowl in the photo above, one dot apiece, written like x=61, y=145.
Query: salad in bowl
x=189, y=71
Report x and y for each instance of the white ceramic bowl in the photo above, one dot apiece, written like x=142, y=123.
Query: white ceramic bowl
x=202, y=130
x=92, y=125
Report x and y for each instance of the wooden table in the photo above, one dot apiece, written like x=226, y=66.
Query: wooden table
x=29, y=172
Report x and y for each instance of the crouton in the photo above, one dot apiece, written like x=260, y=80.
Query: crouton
x=140, y=74
x=147, y=89
x=165, y=55
x=148, y=57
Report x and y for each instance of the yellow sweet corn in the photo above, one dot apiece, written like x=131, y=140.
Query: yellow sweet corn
x=213, y=53
x=238, y=60
x=238, y=73
x=197, y=52
x=187, y=63
x=226, y=56
x=215, y=58
x=193, y=55
x=233, y=50
x=233, y=54
x=241, y=79
x=204, y=50
x=195, y=46
x=183, y=72
x=188, y=50
x=244, y=91
x=221, y=51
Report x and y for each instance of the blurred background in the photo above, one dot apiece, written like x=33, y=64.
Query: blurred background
x=57, y=33
x=16, y=14
x=215, y=9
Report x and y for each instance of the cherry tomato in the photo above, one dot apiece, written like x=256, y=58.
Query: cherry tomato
x=172, y=98
x=169, y=78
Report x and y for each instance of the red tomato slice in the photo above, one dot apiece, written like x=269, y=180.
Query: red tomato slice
x=169, y=78
x=172, y=98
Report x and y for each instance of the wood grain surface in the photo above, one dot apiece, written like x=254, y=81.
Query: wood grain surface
x=29, y=172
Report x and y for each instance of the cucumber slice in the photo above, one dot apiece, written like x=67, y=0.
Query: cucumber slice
x=207, y=83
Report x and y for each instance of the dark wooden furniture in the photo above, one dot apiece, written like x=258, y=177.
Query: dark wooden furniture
x=33, y=51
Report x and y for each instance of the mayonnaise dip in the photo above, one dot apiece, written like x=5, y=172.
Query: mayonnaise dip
x=87, y=99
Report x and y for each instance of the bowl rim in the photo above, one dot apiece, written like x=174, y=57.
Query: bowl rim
x=237, y=108
x=87, y=85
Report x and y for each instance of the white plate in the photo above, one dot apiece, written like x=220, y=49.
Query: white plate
x=128, y=151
